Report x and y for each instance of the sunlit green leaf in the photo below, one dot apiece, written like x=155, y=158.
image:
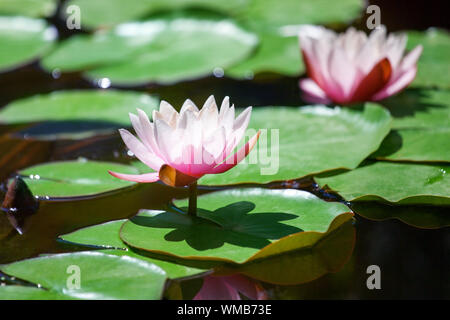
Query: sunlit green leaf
x=107, y=13
x=421, y=126
x=311, y=140
x=107, y=235
x=23, y=40
x=275, y=54
x=303, y=257
x=102, y=276
x=429, y=217
x=29, y=293
x=164, y=49
x=276, y=13
x=434, y=63
x=29, y=8
x=393, y=182
x=231, y=226
x=75, y=178
x=76, y=113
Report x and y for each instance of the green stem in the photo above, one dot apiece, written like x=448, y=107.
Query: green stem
x=192, y=211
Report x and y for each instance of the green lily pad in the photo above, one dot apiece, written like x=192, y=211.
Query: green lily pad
x=419, y=108
x=393, y=183
x=107, y=13
x=29, y=293
x=304, y=256
x=23, y=40
x=75, y=178
x=416, y=144
x=102, y=276
x=275, y=54
x=434, y=63
x=232, y=225
x=164, y=49
x=421, y=127
x=311, y=140
x=76, y=113
x=275, y=13
x=29, y=8
x=107, y=235
x=428, y=217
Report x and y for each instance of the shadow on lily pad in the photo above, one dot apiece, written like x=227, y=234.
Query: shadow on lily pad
x=231, y=224
x=411, y=101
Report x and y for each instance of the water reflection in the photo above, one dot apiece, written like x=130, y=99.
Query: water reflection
x=231, y=287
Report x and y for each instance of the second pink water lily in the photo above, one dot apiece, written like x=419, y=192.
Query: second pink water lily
x=352, y=67
x=182, y=147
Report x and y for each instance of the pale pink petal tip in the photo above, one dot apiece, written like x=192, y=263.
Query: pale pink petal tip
x=238, y=156
x=312, y=92
x=142, y=178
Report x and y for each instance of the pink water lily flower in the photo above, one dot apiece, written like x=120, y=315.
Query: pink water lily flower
x=352, y=67
x=182, y=147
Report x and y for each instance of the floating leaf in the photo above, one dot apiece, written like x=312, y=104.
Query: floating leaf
x=29, y=293
x=162, y=50
x=76, y=113
x=29, y=8
x=303, y=257
x=232, y=225
x=393, y=182
x=102, y=276
x=107, y=13
x=416, y=144
x=275, y=54
x=429, y=217
x=311, y=140
x=23, y=40
x=107, y=235
x=75, y=178
x=421, y=126
x=434, y=63
x=275, y=13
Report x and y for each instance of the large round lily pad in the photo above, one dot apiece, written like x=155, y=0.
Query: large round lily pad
x=421, y=127
x=76, y=113
x=164, y=49
x=275, y=54
x=14, y=292
x=302, y=257
x=107, y=13
x=102, y=276
x=434, y=63
x=421, y=216
x=401, y=183
x=75, y=178
x=232, y=225
x=106, y=235
x=296, y=142
x=29, y=8
x=276, y=13
x=23, y=40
